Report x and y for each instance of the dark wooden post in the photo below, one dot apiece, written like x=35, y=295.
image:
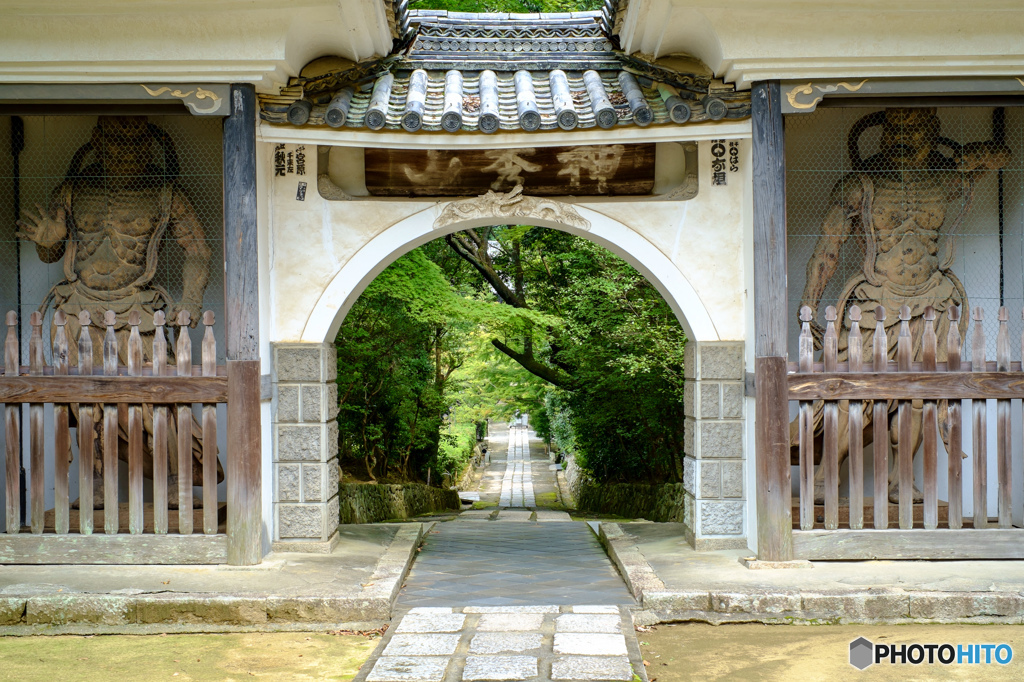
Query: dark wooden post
x=241, y=303
x=771, y=442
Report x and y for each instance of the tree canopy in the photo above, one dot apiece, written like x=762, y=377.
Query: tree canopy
x=502, y=319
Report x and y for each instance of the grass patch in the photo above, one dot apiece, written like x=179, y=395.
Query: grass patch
x=549, y=501
x=483, y=504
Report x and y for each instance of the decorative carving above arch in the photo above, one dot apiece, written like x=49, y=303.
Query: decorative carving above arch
x=513, y=206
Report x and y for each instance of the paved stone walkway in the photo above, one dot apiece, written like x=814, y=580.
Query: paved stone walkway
x=496, y=594
x=445, y=644
x=517, y=483
x=525, y=563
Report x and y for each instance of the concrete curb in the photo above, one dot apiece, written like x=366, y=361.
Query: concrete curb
x=396, y=562
x=868, y=606
x=741, y=604
x=638, y=574
x=90, y=613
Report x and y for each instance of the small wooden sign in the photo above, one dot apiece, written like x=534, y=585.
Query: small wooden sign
x=618, y=169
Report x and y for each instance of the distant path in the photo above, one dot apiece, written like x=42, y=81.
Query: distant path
x=517, y=483
x=519, y=474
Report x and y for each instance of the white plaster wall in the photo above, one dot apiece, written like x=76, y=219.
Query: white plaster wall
x=693, y=250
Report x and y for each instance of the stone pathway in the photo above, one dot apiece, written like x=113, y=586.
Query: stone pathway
x=476, y=643
x=496, y=594
x=494, y=563
x=517, y=483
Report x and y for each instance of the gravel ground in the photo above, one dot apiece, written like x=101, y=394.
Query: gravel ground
x=697, y=651
x=271, y=656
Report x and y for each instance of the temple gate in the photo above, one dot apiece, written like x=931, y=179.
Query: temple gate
x=835, y=219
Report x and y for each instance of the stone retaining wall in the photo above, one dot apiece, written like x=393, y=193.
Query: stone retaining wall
x=369, y=503
x=661, y=502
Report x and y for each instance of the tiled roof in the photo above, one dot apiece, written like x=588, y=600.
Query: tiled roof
x=493, y=41
x=487, y=72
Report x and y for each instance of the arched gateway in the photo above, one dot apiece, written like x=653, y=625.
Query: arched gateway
x=427, y=225
x=650, y=160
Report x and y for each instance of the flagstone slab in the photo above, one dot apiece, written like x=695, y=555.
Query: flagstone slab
x=432, y=622
x=510, y=622
x=499, y=668
x=511, y=609
x=504, y=642
x=585, y=622
x=587, y=644
x=591, y=668
x=409, y=669
x=422, y=645
x=595, y=608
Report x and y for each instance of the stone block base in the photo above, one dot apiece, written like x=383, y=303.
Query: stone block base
x=305, y=433
x=307, y=546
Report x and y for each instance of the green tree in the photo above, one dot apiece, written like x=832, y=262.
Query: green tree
x=614, y=360
x=503, y=319
x=397, y=351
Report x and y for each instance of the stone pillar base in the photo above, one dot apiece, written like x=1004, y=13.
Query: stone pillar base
x=305, y=432
x=714, y=503
x=307, y=546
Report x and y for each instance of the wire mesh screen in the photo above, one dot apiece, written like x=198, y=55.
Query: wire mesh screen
x=119, y=213
x=906, y=206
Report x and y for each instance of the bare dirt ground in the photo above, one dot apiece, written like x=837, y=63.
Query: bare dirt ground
x=697, y=651
x=270, y=656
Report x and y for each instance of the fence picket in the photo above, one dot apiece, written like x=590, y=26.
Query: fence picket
x=136, y=431
x=905, y=425
x=86, y=432
x=954, y=446
x=855, y=354
x=111, y=510
x=806, y=426
x=209, y=431
x=980, y=429
x=12, y=364
x=184, y=360
x=62, y=432
x=159, y=430
x=930, y=426
x=830, y=417
x=1004, y=444
x=36, y=444
x=880, y=426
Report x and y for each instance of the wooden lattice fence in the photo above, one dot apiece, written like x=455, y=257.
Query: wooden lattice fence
x=113, y=403
x=835, y=528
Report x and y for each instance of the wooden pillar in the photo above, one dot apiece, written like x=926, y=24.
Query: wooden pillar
x=241, y=303
x=774, y=510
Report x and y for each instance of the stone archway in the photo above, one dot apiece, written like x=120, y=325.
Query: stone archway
x=305, y=429
x=493, y=208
